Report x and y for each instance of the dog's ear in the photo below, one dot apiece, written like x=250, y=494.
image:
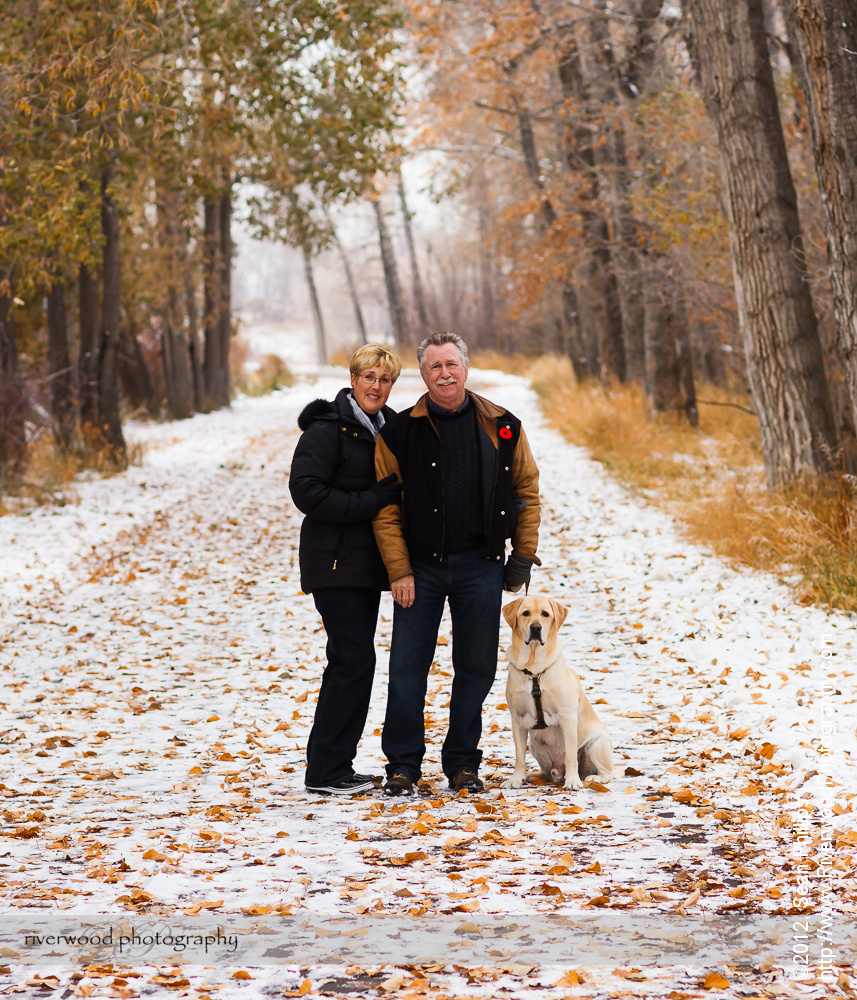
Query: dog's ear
x=510, y=612
x=560, y=612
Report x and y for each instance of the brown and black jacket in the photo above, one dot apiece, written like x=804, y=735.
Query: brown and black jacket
x=409, y=447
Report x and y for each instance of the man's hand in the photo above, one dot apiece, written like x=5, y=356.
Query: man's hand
x=403, y=590
x=517, y=572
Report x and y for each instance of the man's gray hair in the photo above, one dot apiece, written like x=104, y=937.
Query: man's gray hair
x=437, y=340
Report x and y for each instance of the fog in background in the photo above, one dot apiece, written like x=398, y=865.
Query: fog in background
x=270, y=295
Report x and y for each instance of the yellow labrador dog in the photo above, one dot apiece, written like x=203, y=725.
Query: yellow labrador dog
x=547, y=703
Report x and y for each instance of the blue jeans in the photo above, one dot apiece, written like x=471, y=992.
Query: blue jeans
x=474, y=586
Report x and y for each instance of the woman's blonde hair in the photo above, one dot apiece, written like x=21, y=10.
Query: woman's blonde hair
x=370, y=355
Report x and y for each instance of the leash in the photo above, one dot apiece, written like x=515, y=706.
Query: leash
x=537, y=698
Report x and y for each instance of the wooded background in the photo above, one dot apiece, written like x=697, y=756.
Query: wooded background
x=663, y=193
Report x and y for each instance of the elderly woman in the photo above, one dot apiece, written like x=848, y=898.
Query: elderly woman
x=333, y=483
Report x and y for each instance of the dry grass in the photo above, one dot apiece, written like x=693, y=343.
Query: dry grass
x=49, y=473
x=256, y=378
x=712, y=481
x=340, y=357
x=273, y=373
x=514, y=364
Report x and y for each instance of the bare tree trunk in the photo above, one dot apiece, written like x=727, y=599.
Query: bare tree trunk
x=632, y=75
x=192, y=308
x=109, y=393
x=213, y=361
x=13, y=442
x=658, y=352
x=600, y=279
x=776, y=315
x=225, y=319
x=59, y=367
x=825, y=35
x=398, y=317
x=317, y=317
x=136, y=378
x=174, y=348
x=669, y=361
x=623, y=253
x=349, y=278
x=638, y=64
x=89, y=356
x=416, y=281
x=583, y=360
x=685, y=386
x=177, y=371
x=555, y=324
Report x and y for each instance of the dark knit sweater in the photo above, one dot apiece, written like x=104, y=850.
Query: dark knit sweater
x=462, y=495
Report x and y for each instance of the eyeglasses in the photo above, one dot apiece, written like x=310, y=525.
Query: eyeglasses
x=383, y=380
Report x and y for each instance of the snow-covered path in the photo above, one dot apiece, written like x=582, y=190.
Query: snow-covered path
x=161, y=666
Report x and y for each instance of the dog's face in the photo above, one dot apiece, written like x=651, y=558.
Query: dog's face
x=535, y=619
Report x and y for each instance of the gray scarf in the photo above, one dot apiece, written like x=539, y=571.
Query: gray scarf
x=368, y=422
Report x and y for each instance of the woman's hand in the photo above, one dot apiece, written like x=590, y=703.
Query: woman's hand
x=403, y=590
x=388, y=490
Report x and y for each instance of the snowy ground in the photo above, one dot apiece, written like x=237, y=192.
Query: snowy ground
x=161, y=667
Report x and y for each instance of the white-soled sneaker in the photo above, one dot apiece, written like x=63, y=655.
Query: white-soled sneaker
x=354, y=784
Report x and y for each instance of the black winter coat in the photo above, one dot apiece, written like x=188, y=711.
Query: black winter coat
x=333, y=469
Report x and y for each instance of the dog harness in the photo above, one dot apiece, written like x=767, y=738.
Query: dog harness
x=537, y=698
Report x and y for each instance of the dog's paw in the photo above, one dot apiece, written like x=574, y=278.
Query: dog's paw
x=513, y=782
x=572, y=784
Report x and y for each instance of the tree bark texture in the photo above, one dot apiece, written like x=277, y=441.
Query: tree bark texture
x=686, y=387
x=88, y=361
x=137, y=387
x=225, y=321
x=211, y=297
x=395, y=301
x=59, y=367
x=600, y=287
x=13, y=442
x=633, y=77
x=192, y=309
x=775, y=308
x=637, y=68
x=109, y=392
x=174, y=348
x=214, y=360
x=668, y=358
x=825, y=35
x=659, y=351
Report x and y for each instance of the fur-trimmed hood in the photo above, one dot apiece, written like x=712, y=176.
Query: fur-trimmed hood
x=314, y=410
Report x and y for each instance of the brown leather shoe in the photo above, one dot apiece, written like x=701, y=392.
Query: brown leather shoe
x=399, y=784
x=468, y=781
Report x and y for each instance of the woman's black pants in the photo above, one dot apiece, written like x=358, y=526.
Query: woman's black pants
x=349, y=615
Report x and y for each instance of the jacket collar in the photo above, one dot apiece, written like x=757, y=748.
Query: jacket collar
x=484, y=407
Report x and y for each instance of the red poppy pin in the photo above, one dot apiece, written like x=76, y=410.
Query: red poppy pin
x=505, y=433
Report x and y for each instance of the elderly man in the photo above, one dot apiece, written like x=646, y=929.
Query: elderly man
x=469, y=483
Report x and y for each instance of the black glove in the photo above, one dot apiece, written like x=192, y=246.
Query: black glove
x=387, y=491
x=516, y=572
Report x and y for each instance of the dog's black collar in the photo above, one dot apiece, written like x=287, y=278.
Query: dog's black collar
x=537, y=697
